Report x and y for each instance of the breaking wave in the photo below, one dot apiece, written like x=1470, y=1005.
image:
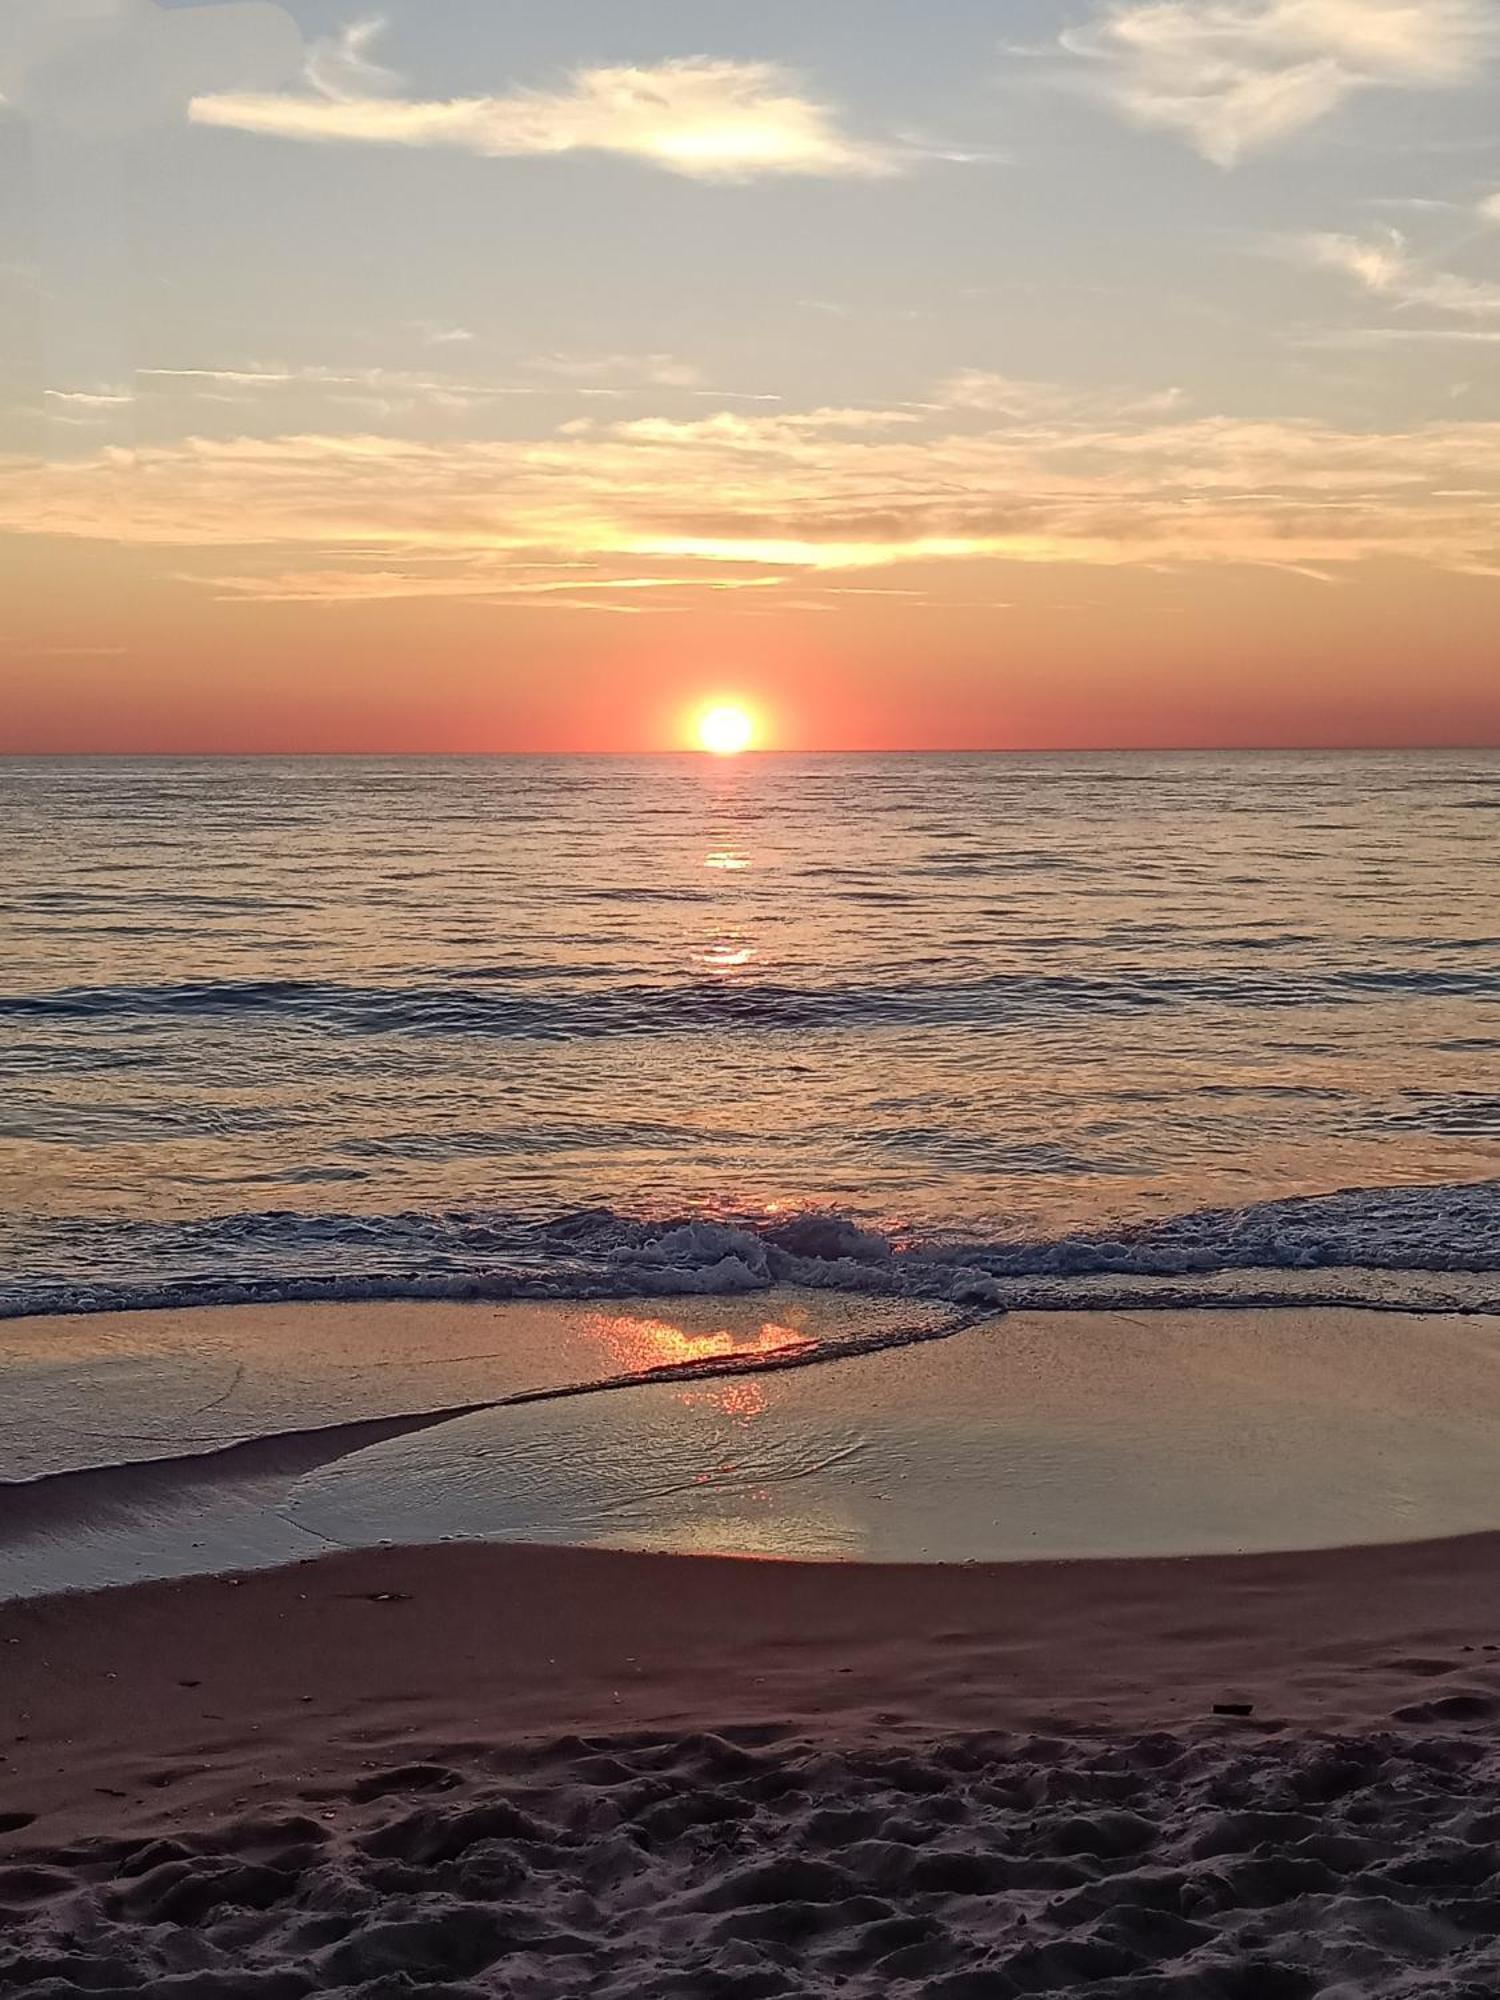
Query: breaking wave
x=1414, y=1248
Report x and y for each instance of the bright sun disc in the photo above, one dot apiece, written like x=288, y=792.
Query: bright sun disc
x=726, y=730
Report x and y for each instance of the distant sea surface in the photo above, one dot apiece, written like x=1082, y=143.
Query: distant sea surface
x=1016, y=1028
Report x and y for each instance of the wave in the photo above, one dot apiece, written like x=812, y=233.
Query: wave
x=995, y=1000
x=1414, y=1248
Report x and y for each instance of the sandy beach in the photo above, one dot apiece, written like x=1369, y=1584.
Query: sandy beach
x=514, y=1771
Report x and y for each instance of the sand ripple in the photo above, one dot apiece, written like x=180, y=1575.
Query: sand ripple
x=752, y=1865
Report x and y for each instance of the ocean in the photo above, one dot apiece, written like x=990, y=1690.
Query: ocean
x=740, y=1155
x=529, y=1027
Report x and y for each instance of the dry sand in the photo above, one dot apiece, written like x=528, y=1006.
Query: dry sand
x=473, y=1770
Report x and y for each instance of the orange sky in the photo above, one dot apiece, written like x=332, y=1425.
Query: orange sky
x=449, y=384
x=1239, y=658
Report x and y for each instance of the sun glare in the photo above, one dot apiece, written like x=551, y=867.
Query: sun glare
x=726, y=729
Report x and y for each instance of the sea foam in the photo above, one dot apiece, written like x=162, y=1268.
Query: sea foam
x=1421, y=1248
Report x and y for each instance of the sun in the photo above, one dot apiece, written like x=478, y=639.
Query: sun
x=726, y=729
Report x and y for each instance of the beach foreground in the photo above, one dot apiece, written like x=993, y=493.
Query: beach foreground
x=531, y=1772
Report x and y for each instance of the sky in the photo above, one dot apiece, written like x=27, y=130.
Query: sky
x=490, y=375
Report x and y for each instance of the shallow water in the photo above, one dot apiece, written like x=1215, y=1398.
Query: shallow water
x=773, y=1429
x=1053, y=1436
x=127, y=1389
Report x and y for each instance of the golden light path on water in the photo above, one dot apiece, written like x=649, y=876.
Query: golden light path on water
x=640, y=1345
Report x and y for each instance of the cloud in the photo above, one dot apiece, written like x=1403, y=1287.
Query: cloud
x=565, y=377
x=656, y=371
x=1384, y=266
x=340, y=67
x=368, y=389
x=112, y=67
x=1024, y=401
x=434, y=334
x=739, y=433
x=90, y=399
x=704, y=117
x=1234, y=76
x=1002, y=395
x=571, y=586
x=1397, y=336
x=816, y=494
x=282, y=395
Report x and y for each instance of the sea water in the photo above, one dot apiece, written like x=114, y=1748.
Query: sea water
x=951, y=1034
x=554, y=1025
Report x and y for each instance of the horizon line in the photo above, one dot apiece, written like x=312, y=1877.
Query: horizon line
x=686, y=754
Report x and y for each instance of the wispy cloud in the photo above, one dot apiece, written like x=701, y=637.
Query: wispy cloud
x=90, y=399
x=97, y=414
x=1384, y=266
x=341, y=68
x=434, y=334
x=656, y=371
x=1025, y=401
x=819, y=493
x=556, y=377
x=366, y=389
x=704, y=117
x=1234, y=76
x=572, y=586
x=1400, y=336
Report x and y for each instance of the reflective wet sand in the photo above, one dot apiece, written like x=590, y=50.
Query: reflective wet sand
x=1034, y=1435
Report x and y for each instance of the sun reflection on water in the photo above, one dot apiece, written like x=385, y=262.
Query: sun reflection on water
x=727, y=957
x=640, y=1346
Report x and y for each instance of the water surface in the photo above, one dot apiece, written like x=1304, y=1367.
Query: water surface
x=505, y=1022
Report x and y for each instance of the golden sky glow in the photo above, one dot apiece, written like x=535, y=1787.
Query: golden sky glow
x=434, y=382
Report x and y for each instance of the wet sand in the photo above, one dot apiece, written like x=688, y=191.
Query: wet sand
x=521, y=1771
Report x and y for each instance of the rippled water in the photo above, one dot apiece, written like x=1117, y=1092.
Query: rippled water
x=397, y=1023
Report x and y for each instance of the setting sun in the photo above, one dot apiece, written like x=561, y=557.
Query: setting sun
x=726, y=729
